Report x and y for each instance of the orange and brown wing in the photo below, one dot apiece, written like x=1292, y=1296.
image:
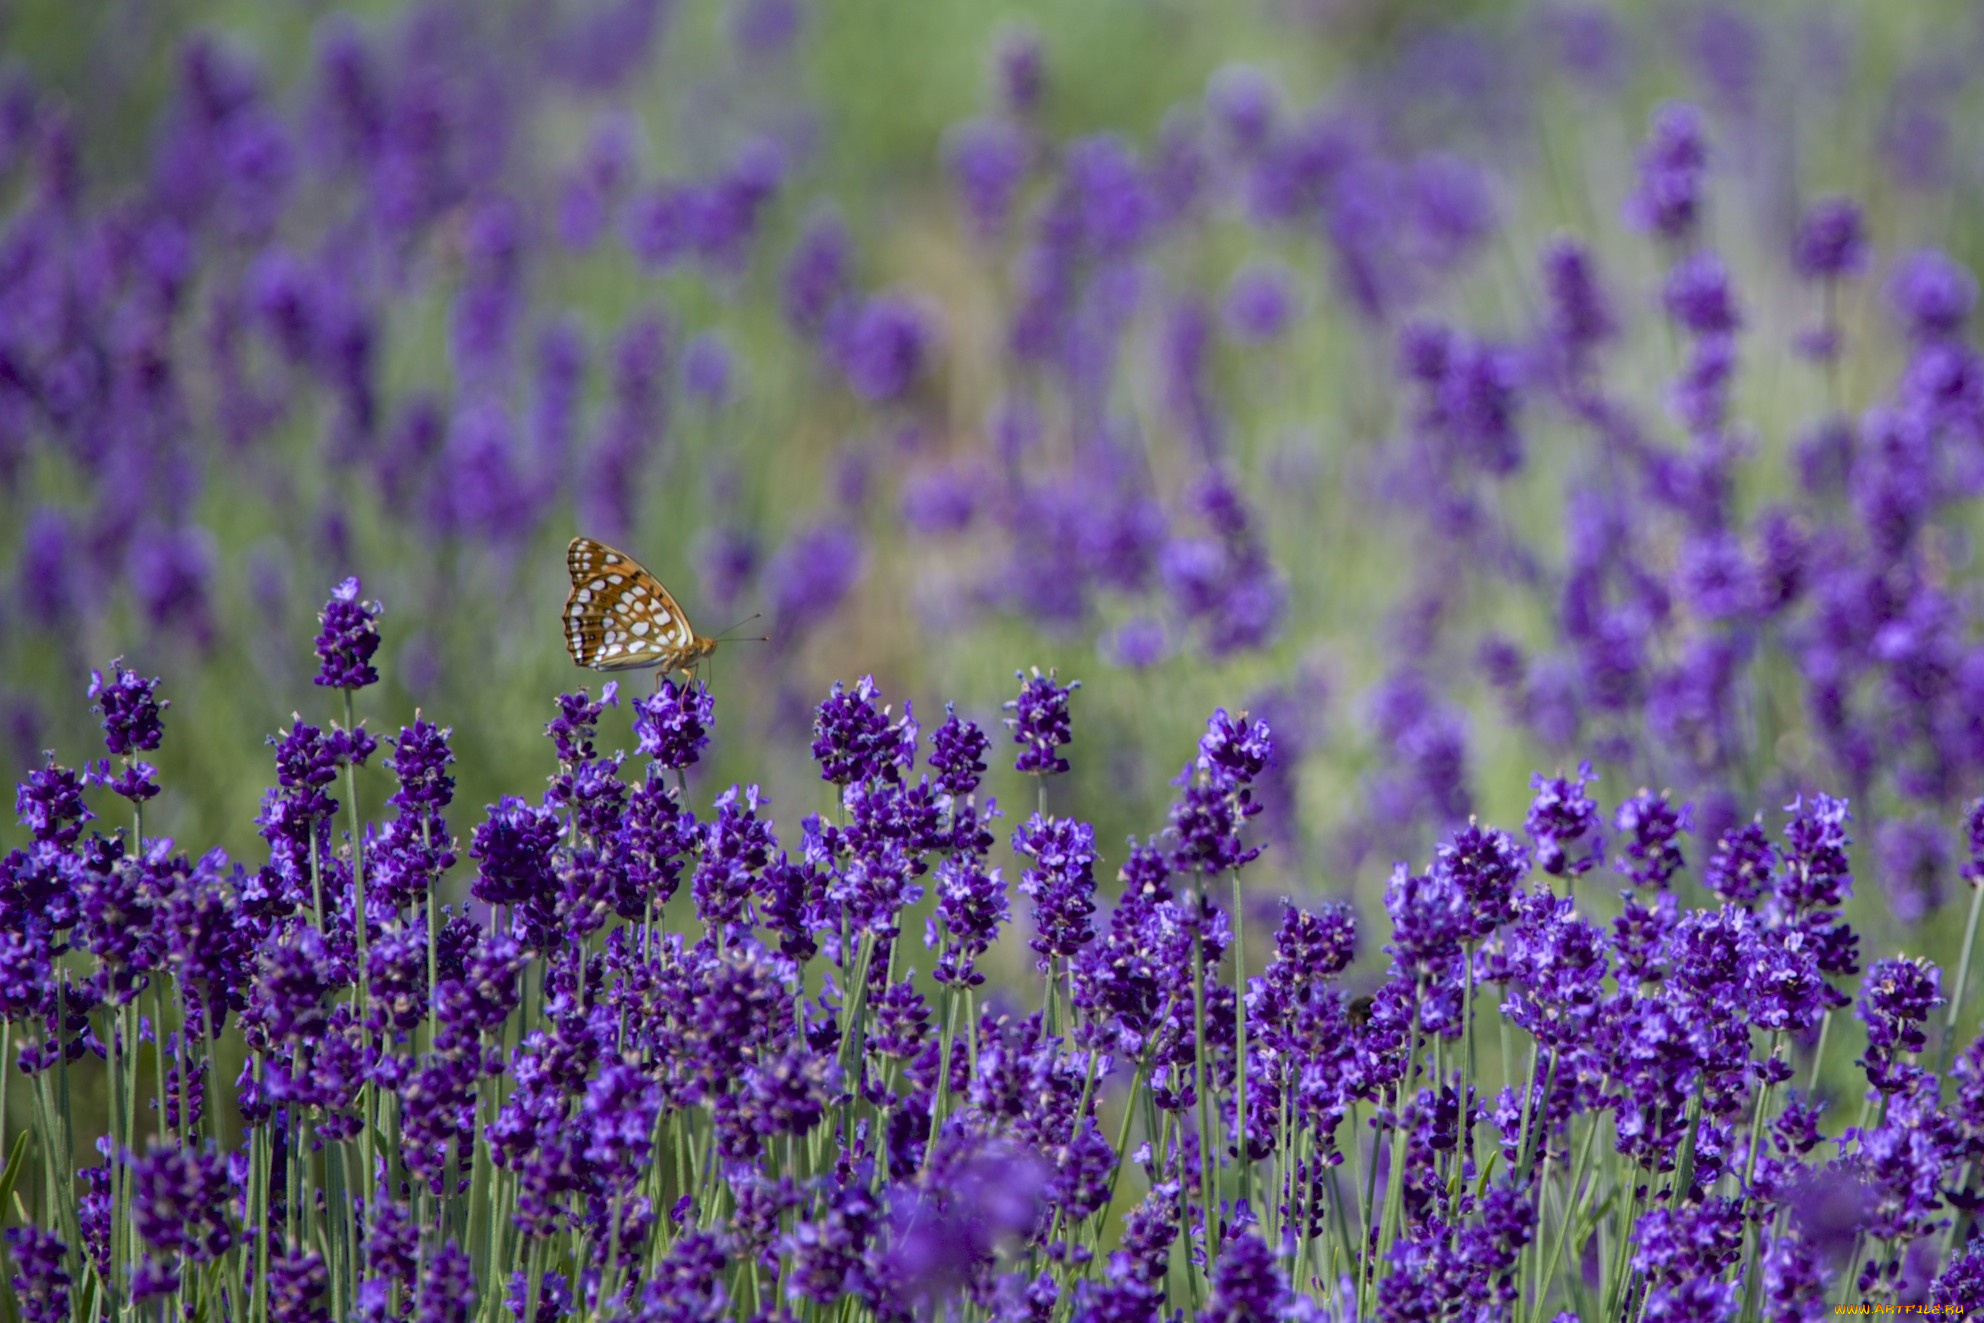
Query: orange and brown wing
x=618, y=616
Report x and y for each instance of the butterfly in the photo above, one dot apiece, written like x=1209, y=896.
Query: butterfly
x=618, y=617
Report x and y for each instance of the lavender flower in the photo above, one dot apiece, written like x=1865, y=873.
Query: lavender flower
x=1562, y=817
x=1739, y=869
x=514, y=849
x=854, y=740
x=1061, y=883
x=299, y=1287
x=1895, y=1003
x=50, y=805
x=971, y=907
x=446, y=1293
x=816, y=274
x=1914, y=859
x=1650, y=827
x=348, y=639
x=1040, y=722
x=673, y=723
x=1697, y=295
x=1247, y=1283
x=179, y=1200
x=40, y=1280
x=1580, y=316
x=1430, y=920
x=957, y=753
x=1930, y=295
x=130, y=710
x=1019, y=67
x=1488, y=867
x=1960, y=1288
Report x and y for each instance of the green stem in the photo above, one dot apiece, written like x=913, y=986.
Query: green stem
x=1240, y=1035
x=1394, y=1210
x=1962, y=980
x=1819, y=1052
x=1574, y=1202
x=1199, y=1083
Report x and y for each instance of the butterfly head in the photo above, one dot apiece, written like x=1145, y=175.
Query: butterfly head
x=697, y=649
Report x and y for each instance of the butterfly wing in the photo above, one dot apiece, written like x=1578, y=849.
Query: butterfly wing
x=618, y=616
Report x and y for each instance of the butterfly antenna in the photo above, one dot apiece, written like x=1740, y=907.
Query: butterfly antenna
x=724, y=636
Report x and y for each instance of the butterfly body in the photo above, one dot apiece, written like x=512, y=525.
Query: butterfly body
x=618, y=617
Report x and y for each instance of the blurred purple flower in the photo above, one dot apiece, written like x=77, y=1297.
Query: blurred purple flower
x=1259, y=303
x=987, y=159
x=1244, y=103
x=1019, y=68
x=1831, y=242
x=1931, y=295
x=1914, y=860
x=884, y=347
x=817, y=275
x=809, y=576
x=1697, y=295
x=709, y=370
x=40, y=1279
x=1673, y=159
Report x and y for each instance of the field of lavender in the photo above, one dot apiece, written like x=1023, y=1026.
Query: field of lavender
x=1539, y=443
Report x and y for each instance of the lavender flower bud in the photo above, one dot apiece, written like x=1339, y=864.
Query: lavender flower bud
x=50, y=805
x=1651, y=826
x=1061, y=882
x=420, y=760
x=514, y=848
x=1739, y=869
x=1563, y=816
x=957, y=753
x=854, y=740
x=348, y=639
x=129, y=709
x=1040, y=722
x=1488, y=867
x=673, y=724
x=988, y=162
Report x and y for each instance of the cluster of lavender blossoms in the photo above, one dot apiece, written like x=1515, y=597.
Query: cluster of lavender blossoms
x=1657, y=466
x=658, y=1063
